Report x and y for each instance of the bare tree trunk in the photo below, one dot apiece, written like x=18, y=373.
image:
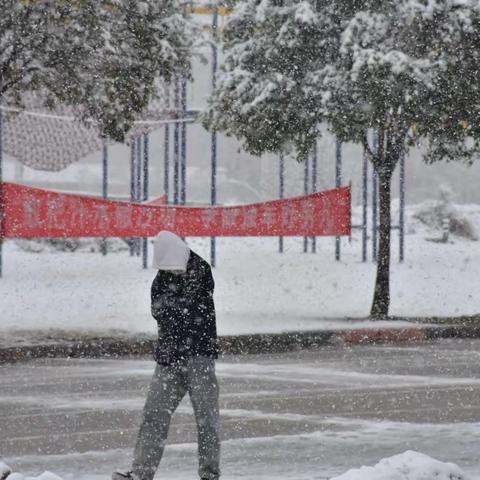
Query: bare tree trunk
x=381, y=297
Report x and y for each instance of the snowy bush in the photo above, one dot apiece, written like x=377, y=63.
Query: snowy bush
x=406, y=466
x=434, y=213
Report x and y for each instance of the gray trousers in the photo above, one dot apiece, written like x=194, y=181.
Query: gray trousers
x=169, y=385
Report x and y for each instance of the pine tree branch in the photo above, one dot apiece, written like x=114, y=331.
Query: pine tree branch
x=17, y=79
x=18, y=26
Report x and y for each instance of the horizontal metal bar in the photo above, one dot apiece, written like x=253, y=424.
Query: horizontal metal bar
x=361, y=227
x=168, y=116
x=392, y=227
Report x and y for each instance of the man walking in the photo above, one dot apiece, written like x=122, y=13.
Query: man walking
x=182, y=304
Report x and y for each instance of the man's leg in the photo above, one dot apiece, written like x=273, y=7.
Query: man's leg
x=203, y=389
x=167, y=389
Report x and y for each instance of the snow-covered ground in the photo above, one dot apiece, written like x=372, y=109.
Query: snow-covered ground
x=298, y=416
x=257, y=289
x=406, y=466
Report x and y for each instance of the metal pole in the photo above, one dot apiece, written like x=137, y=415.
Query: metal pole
x=213, y=242
x=1, y=193
x=213, y=182
x=145, y=193
x=132, y=185
x=374, y=215
x=365, y=206
x=145, y=169
x=104, y=187
x=338, y=183
x=166, y=152
x=138, y=186
x=306, y=174
x=402, y=208
x=314, y=184
x=176, y=145
x=138, y=170
x=374, y=201
x=281, y=192
x=183, y=149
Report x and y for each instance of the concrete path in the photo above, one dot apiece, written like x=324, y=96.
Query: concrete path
x=306, y=415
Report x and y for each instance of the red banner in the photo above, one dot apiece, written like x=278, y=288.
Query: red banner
x=162, y=200
x=34, y=213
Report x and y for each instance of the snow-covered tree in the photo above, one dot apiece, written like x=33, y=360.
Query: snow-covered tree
x=103, y=57
x=407, y=69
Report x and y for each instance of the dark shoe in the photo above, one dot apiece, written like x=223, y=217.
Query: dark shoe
x=124, y=476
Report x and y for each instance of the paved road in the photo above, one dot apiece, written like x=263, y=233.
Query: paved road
x=307, y=415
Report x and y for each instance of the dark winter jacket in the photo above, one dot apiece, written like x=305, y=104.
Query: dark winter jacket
x=183, y=306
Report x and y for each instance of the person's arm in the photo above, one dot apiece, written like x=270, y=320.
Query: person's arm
x=163, y=294
x=198, y=288
x=207, y=279
x=157, y=299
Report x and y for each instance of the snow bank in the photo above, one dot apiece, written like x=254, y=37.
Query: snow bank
x=4, y=470
x=409, y=465
x=43, y=476
x=406, y=466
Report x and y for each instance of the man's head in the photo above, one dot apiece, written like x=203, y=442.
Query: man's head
x=170, y=253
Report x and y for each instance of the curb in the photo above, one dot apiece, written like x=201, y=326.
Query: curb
x=241, y=344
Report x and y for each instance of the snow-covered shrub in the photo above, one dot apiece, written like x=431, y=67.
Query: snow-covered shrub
x=406, y=466
x=435, y=213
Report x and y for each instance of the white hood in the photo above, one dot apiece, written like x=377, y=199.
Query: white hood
x=170, y=252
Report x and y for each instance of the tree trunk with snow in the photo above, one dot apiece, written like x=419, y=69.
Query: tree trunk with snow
x=385, y=159
x=381, y=297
